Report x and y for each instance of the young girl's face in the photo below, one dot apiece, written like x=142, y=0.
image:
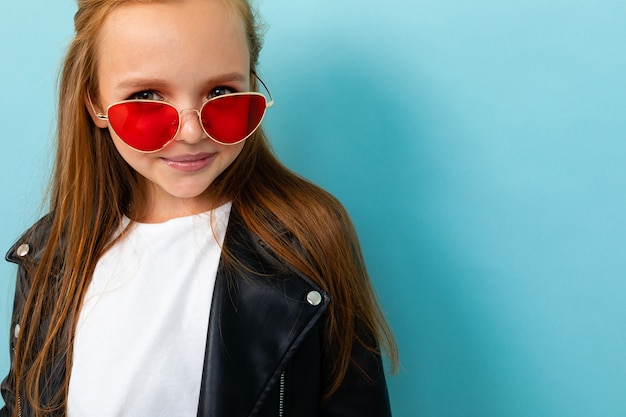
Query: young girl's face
x=182, y=52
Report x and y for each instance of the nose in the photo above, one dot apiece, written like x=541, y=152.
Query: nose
x=190, y=128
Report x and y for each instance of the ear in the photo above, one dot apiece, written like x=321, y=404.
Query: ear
x=96, y=116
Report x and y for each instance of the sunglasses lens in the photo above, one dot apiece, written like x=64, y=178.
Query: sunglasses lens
x=232, y=118
x=144, y=125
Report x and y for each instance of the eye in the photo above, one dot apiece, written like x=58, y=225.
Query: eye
x=145, y=95
x=220, y=91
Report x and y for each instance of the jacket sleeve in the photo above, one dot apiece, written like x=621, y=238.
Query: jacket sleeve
x=8, y=396
x=363, y=392
x=8, y=383
x=7, y=387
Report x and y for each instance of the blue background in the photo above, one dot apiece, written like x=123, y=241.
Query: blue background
x=480, y=148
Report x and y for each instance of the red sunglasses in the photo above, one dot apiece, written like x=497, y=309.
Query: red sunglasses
x=149, y=125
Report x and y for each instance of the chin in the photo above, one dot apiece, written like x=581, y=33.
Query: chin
x=185, y=193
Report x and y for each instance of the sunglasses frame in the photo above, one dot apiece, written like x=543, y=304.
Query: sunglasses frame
x=268, y=104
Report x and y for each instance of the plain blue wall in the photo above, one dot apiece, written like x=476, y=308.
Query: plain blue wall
x=481, y=150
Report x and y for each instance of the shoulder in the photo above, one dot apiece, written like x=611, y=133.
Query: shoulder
x=31, y=244
x=252, y=251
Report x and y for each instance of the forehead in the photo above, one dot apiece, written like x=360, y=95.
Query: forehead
x=181, y=38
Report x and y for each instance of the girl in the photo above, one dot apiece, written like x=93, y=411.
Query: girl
x=182, y=269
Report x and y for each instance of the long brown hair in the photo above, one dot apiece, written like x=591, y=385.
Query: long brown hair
x=93, y=188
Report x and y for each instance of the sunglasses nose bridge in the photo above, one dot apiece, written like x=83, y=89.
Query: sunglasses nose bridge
x=180, y=113
x=184, y=127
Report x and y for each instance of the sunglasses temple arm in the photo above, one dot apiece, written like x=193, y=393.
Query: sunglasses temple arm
x=100, y=115
x=271, y=102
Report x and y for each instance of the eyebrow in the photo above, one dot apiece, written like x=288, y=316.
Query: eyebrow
x=139, y=82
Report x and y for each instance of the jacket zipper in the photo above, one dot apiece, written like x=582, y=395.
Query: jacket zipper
x=281, y=396
x=17, y=394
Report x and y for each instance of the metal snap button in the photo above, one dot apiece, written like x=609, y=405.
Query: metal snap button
x=314, y=298
x=23, y=250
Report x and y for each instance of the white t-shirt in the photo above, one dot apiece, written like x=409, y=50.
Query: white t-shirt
x=141, y=336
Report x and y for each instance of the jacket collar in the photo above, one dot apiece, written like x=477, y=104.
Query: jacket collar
x=262, y=311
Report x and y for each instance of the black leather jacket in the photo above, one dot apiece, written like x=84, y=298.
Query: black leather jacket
x=263, y=353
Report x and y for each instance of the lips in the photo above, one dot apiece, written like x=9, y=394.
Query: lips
x=188, y=162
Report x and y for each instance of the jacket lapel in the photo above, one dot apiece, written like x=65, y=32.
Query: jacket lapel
x=261, y=312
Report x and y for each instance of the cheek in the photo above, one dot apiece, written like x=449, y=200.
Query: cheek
x=231, y=153
x=227, y=159
x=129, y=155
